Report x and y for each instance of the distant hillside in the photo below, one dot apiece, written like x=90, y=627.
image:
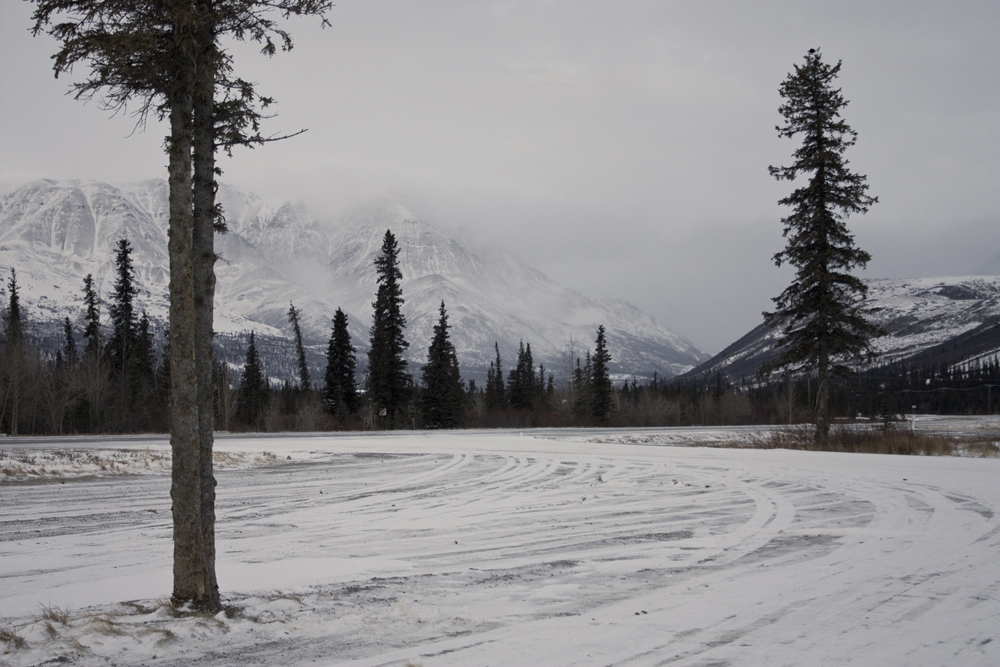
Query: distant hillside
x=928, y=320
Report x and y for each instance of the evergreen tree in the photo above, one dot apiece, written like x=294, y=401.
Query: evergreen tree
x=89, y=411
x=293, y=319
x=167, y=57
x=124, y=324
x=252, y=399
x=92, y=330
x=443, y=397
x=582, y=385
x=821, y=314
x=521, y=380
x=14, y=358
x=340, y=392
x=388, y=381
x=600, y=383
x=69, y=347
x=581, y=400
x=496, y=396
x=13, y=322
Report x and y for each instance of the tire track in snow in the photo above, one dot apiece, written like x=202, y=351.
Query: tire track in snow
x=571, y=554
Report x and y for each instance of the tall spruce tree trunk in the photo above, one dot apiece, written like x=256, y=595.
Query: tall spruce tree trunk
x=204, y=287
x=190, y=572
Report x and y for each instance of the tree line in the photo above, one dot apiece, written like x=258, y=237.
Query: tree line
x=114, y=384
x=114, y=381
x=388, y=396
x=118, y=383
x=822, y=316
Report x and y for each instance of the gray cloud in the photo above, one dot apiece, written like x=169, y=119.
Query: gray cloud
x=621, y=147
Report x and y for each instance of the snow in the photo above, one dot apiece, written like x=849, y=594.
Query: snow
x=508, y=548
x=57, y=232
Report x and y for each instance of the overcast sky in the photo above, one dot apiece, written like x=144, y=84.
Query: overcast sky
x=621, y=147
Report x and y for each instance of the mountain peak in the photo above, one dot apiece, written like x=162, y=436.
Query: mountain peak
x=274, y=255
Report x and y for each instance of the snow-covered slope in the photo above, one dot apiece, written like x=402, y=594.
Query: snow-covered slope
x=493, y=297
x=917, y=315
x=55, y=233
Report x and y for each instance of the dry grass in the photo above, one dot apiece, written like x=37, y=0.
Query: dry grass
x=55, y=615
x=10, y=637
x=890, y=441
x=166, y=635
x=103, y=625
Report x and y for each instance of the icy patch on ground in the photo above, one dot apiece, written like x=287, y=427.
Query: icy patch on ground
x=26, y=464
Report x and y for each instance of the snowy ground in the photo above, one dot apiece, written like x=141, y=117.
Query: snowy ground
x=499, y=548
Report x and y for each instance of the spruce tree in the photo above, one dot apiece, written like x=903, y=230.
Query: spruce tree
x=443, y=397
x=91, y=407
x=582, y=385
x=341, y=392
x=821, y=314
x=253, y=395
x=521, y=380
x=13, y=322
x=387, y=377
x=124, y=325
x=92, y=316
x=14, y=357
x=496, y=396
x=167, y=57
x=69, y=346
x=300, y=350
x=600, y=384
x=581, y=400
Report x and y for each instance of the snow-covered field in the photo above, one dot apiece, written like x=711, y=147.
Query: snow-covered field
x=497, y=548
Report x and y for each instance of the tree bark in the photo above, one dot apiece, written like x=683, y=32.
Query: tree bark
x=185, y=491
x=203, y=248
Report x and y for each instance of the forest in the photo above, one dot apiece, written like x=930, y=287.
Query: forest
x=114, y=377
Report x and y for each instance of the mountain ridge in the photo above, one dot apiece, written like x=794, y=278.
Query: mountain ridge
x=921, y=316
x=55, y=232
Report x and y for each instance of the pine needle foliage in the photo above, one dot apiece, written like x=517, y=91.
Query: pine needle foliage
x=340, y=392
x=521, y=380
x=388, y=381
x=253, y=395
x=601, y=400
x=821, y=315
x=293, y=319
x=443, y=396
x=496, y=395
x=124, y=322
x=13, y=322
x=92, y=317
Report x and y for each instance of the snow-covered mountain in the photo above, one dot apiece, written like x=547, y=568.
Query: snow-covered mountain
x=919, y=316
x=55, y=233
